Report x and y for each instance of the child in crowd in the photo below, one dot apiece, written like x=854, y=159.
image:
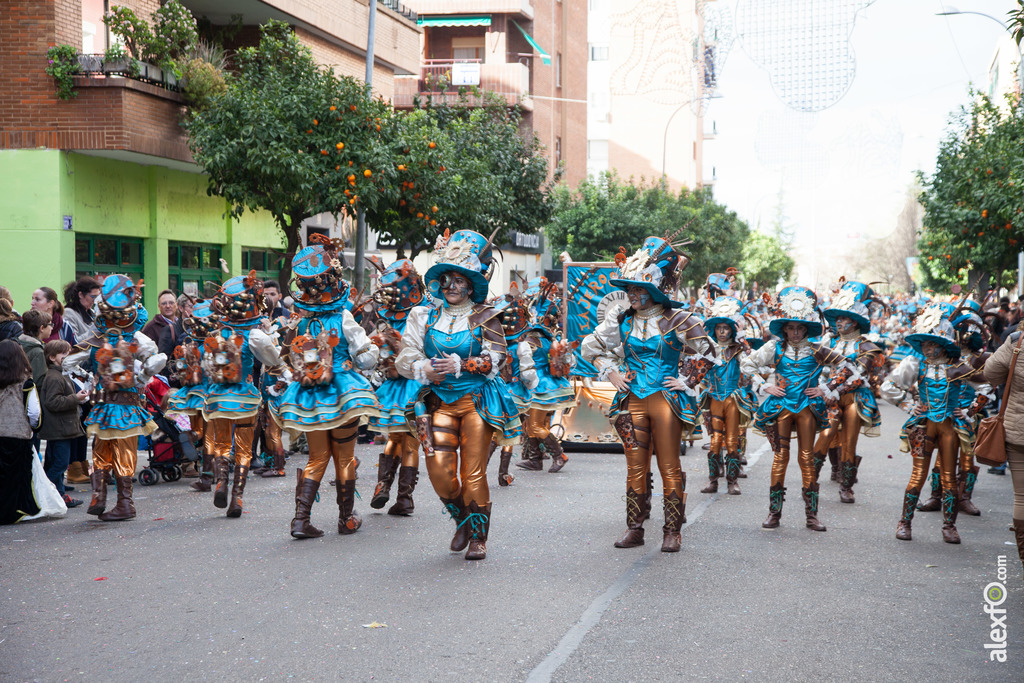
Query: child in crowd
x=37, y=326
x=61, y=423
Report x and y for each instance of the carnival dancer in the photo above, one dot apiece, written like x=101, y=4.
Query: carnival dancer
x=519, y=372
x=655, y=407
x=937, y=418
x=456, y=351
x=972, y=337
x=399, y=289
x=327, y=397
x=118, y=417
x=850, y=317
x=729, y=401
x=231, y=399
x=795, y=398
x=186, y=367
x=553, y=360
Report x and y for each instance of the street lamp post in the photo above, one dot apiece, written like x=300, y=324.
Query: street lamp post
x=953, y=11
x=361, y=216
x=664, y=140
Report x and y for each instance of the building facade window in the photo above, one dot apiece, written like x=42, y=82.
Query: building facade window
x=599, y=53
x=266, y=262
x=102, y=255
x=558, y=151
x=558, y=70
x=193, y=269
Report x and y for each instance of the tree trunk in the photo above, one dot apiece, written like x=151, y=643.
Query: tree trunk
x=293, y=241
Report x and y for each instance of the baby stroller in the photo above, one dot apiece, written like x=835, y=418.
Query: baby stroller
x=170, y=446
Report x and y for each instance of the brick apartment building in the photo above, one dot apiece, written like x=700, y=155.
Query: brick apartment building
x=531, y=52
x=105, y=182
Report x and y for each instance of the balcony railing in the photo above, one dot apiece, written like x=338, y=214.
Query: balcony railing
x=98, y=65
x=400, y=8
x=446, y=80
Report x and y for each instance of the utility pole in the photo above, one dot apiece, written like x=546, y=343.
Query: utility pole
x=361, y=216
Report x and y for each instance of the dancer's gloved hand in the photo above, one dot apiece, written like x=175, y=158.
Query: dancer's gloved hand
x=618, y=380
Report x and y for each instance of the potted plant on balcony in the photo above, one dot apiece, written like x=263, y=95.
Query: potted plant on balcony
x=62, y=64
x=117, y=62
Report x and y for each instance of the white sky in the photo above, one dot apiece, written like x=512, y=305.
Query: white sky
x=844, y=170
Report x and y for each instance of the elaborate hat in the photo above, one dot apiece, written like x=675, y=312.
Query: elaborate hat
x=317, y=275
x=398, y=288
x=119, y=306
x=515, y=318
x=203, y=320
x=718, y=284
x=796, y=304
x=933, y=325
x=467, y=253
x=725, y=309
x=241, y=298
x=851, y=301
x=971, y=330
x=653, y=267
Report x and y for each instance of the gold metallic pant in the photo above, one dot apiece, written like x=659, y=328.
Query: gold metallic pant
x=538, y=424
x=272, y=437
x=943, y=435
x=458, y=427
x=805, y=425
x=405, y=446
x=725, y=426
x=198, y=426
x=655, y=425
x=842, y=433
x=338, y=444
x=226, y=433
x=117, y=454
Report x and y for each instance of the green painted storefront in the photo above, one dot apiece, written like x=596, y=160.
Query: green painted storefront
x=146, y=221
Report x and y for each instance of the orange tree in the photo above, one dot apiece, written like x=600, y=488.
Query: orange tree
x=974, y=205
x=291, y=138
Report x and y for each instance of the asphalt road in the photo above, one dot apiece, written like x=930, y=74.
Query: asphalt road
x=191, y=595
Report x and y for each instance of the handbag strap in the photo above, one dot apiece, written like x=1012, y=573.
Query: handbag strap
x=1009, y=377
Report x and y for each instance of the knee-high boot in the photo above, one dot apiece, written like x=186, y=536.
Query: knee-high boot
x=479, y=521
x=909, y=505
x=220, y=481
x=553, y=446
x=811, y=507
x=674, y=518
x=305, y=494
x=349, y=520
x=833, y=459
x=504, y=478
x=934, y=501
x=532, y=459
x=455, y=508
x=776, y=496
x=125, y=508
x=237, y=489
x=638, y=509
x=386, y=468
x=967, y=480
x=99, y=492
x=847, y=480
x=732, y=473
x=205, y=481
x=949, y=512
x=714, y=472
x=407, y=478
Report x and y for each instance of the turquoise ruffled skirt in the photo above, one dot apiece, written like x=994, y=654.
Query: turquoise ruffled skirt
x=396, y=397
x=349, y=396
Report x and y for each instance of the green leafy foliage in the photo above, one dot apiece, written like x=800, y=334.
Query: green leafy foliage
x=174, y=34
x=604, y=214
x=765, y=261
x=62, y=64
x=133, y=30
x=973, y=204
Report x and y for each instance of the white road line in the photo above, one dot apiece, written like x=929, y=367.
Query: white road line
x=571, y=641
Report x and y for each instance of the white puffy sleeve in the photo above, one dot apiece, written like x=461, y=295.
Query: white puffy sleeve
x=760, y=364
x=364, y=353
x=264, y=348
x=152, y=362
x=412, y=360
x=602, y=347
x=901, y=380
x=35, y=412
x=527, y=369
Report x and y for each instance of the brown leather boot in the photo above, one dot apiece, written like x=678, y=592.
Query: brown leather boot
x=407, y=478
x=909, y=505
x=833, y=459
x=220, y=478
x=967, y=480
x=532, y=459
x=277, y=466
x=349, y=520
x=554, y=447
x=810, y=495
x=673, y=538
x=205, y=481
x=478, y=519
x=714, y=472
x=934, y=502
x=1018, y=532
x=237, y=489
x=638, y=507
x=776, y=496
x=305, y=494
x=78, y=473
x=125, y=508
x=504, y=460
x=732, y=473
x=455, y=508
x=848, y=475
x=387, y=465
x=949, y=512
x=99, y=492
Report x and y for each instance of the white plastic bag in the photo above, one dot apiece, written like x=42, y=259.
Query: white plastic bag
x=49, y=500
